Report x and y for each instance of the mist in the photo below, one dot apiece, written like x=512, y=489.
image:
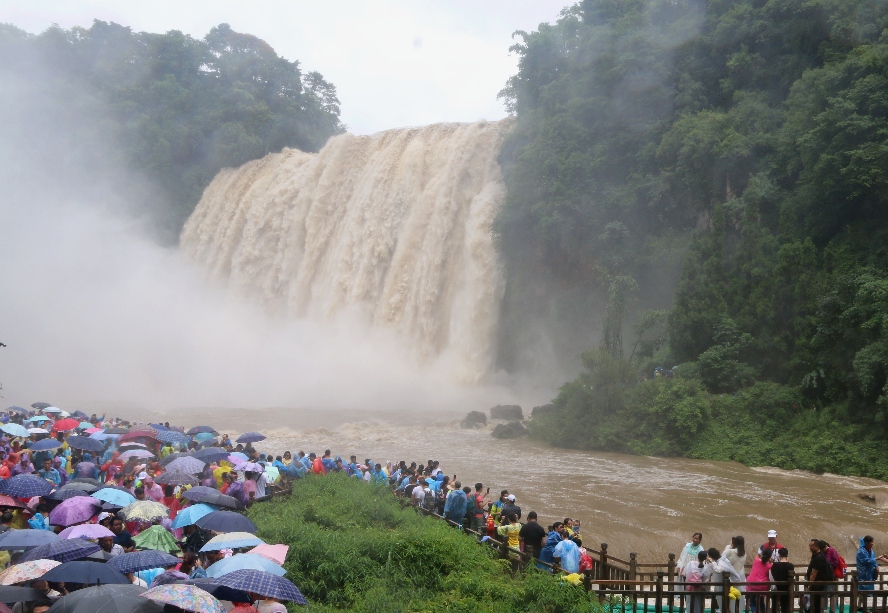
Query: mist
x=96, y=314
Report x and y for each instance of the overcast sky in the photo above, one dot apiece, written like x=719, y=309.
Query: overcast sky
x=394, y=62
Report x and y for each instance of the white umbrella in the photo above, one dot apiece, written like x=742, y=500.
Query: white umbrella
x=52, y=410
x=38, y=431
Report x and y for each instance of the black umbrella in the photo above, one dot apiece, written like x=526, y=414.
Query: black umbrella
x=199, y=429
x=209, y=495
x=13, y=593
x=89, y=480
x=251, y=437
x=79, y=487
x=85, y=572
x=14, y=540
x=142, y=560
x=85, y=443
x=221, y=592
x=64, y=494
x=78, y=413
x=159, y=427
x=176, y=477
x=41, y=405
x=116, y=431
x=107, y=599
x=226, y=521
x=63, y=550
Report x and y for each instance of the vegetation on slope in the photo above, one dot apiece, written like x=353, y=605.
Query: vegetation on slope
x=353, y=547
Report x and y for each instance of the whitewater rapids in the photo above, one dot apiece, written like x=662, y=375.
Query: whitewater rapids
x=395, y=227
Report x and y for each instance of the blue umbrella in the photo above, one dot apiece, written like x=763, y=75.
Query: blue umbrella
x=62, y=550
x=211, y=454
x=219, y=591
x=141, y=560
x=102, y=436
x=199, y=429
x=45, y=445
x=232, y=540
x=243, y=561
x=89, y=573
x=14, y=540
x=114, y=496
x=190, y=515
x=171, y=436
x=251, y=437
x=159, y=427
x=38, y=418
x=79, y=414
x=25, y=486
x=85, y=443
x=239, y=455
x=264, y=584
x=226, y=521
x=84, y=425
x=17, y=410
x=15, y=430
x=204, y=436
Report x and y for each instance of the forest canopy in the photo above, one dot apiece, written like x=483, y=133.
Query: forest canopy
x=752, y=137
x=178, y=109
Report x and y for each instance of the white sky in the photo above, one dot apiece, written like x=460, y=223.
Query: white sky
x=394, y=62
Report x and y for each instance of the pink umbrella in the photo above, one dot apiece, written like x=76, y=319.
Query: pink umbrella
x=87, y=531
x=142, y=454
x=94, y=430
x=275, y=553
x=74, y=511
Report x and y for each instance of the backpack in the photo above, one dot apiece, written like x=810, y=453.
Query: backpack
x=840, y=569
x=694, y=577
x=586, y=562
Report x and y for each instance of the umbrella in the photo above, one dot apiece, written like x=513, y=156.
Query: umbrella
x=232, y=540
x=237, y=457
x=203, y=437
x=10, y=502
x=41, y=405
x=86, y=572
x=69, y=423
x=251, y=437
x=187, y=464
x=74, y=511
x=37, y=418
x=15, y=593
x=80, y=414
x=159, y=427
x=26, y=571
x=14, y=540
x=264, y=584
x=37, y=431
x=171, y=436
x=85, y=443
x=117, y=430
x=100, y=556
x=131, y=445
x=95, y=430
x=52, y=410
x=102, y=436
x=242, y=561
x=107, y=599
x=14, y=409
x=114, y=496
x=156, y=537
x=25, y=486
x=190, y=515
x=89, y=480
x=85, y=425
x=63, y=550
x=79, y=487
x=200, y=429
x=188, y=597
x=64, y=494
x=209, y=495
x=45, y=445
x=275, y=553
x=136, y=434
x=141, y=454
x=176, y=477
x=15, y=430
x=251, y=467
x=142, y=560
x=86, y=531
x=165, y=460
x=211, y=454
x=145, y=510
x=226, y=521
x=221, y=592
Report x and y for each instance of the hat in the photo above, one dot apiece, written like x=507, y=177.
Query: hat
x=511, y=497
x=104, y=515
x=772, y=534
x=142, y=475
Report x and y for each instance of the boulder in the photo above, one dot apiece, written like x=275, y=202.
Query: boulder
x=513, y=429
x=510, y=412
x=475, y=419
x=542, y=410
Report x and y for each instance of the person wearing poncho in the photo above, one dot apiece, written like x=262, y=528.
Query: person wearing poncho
x=867, y=569
x=690, y=552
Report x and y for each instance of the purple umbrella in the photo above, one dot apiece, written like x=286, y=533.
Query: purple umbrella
x=86, y=531
x=74, y=511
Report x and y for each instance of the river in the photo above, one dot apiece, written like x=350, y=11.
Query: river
x=641, y=504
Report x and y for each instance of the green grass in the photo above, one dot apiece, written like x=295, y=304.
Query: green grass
x=353, y=547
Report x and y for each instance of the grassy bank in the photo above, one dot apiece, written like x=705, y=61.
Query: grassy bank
x=353, y=547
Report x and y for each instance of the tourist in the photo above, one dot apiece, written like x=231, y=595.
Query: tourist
x=552, y=540
x=695, y=573
x=191, y=566
x=455, y=505
x=834, y=561
x=819, y=572
x=567, y=553
x=109, y=546
x=121, y=536
x=497, y=507
x=480, y=503
x=511, y=529
x=780, y=574
x=511, y=506
x=417, y=494
x=735, y=553
x=771, y=544
x=49, y=473
x=761, y=568
x=532, y=534
x=867, y=570
x=689, y=553
x=720, y=568
x=23, y=467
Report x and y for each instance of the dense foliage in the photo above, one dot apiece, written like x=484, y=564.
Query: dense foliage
x=177, y=108
x=756, y=131
x=353, y=547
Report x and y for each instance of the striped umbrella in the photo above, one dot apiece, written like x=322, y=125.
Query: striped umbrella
x=64, y=550
x=264, y=584
x=141, y=560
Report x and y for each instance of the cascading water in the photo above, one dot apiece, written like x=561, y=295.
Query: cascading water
x=395, y=226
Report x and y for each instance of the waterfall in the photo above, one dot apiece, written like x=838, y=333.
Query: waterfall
x=393, y=226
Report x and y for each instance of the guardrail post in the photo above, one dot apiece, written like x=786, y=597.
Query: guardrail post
x=633, y=566
x=725, y=605
x=854, y=592
x=790, y=590
x=658, y=603
x=603, y=572
x=671, y=568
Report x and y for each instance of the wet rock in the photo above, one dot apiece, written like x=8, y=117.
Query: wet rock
x=511, y=412
x=475, y=419
x=513, y=429
x=542, y=410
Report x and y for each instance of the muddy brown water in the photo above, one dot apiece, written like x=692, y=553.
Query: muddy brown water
x=639, y=504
